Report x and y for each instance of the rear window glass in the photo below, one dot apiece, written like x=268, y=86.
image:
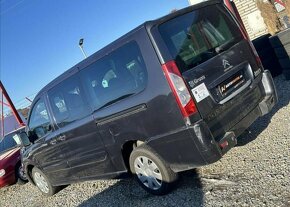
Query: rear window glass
x=198, y=36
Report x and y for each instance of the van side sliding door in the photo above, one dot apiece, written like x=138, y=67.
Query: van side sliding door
x=82, y=145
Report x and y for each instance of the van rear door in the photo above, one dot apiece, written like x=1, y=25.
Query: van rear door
x=216, y=62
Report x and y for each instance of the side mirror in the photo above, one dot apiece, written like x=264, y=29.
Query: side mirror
x=38, y=132
x=24, y=139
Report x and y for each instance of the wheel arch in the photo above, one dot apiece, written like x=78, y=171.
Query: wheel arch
x=29, y=173
x=18, y=163
x=127, y=149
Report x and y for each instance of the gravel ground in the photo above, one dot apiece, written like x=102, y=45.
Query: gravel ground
x=255, y=173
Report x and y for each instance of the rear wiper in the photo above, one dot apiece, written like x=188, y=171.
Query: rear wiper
x=115, y=100
x=224, y=46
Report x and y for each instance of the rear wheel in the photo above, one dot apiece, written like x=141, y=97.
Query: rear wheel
x=285, y=63
x=151, y=171
x=287, y=74
x=43, y=183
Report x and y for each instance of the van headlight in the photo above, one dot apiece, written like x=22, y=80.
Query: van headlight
x=2, y=172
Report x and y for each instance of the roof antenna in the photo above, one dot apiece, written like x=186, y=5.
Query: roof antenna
x=81, y=42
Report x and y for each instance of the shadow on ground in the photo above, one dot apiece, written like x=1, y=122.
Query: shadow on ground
x=261, y=123
x=188, y=192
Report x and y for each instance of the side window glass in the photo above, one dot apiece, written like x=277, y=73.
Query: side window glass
x=108, y=77
x=2, y=146
x=116, y=76
x=9, y=142
x=39, y=122
x=67, y=102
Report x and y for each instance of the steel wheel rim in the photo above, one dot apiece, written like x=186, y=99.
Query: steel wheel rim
x=21, y=173
x=41, y=182
x=148, y=172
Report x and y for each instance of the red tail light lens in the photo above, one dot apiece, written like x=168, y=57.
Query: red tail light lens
x=179, y=89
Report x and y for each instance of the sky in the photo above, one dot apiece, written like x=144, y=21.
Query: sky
x=39, y=38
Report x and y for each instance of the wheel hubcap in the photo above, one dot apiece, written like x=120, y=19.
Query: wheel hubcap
x=148, y=172
x=41, y=182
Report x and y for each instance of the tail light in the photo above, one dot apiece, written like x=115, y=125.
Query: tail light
x=179, y=89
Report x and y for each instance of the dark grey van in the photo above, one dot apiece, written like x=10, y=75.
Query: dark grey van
x=171, y=95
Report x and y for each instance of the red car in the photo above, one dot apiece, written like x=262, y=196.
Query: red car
x=11, y=170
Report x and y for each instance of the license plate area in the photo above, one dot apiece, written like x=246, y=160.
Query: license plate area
x=231, y=84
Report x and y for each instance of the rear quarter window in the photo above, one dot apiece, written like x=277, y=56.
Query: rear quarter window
x=118, y=75
x=199, y=35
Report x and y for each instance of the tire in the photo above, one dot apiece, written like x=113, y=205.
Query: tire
x=286, y=74
x=261, y=42
x=284, y=36
x=280, y=39
x=42, y=183
x=20, y=175
x=151, y=171
x=272, y=65
x=287, y=49
x=281, y=52
x=285, y=63
x=275, y=41
x=266, y=52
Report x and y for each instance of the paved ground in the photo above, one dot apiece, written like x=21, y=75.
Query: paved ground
x=255, y=173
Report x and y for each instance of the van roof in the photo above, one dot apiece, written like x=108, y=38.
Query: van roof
x=98, y=54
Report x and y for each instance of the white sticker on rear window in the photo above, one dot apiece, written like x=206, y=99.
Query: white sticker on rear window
x=200, y=92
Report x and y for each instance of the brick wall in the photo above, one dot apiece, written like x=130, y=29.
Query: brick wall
x=251, y=17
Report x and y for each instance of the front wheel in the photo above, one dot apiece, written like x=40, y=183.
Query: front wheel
x=43, y=183
x=20, y=175
x=151, y=171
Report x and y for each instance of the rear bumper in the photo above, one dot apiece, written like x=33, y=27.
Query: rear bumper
x=194, y=146
x=270, y=93
x=187, y=148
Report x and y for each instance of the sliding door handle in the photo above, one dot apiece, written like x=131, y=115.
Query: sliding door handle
x=53, y=142
x=61, y=138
